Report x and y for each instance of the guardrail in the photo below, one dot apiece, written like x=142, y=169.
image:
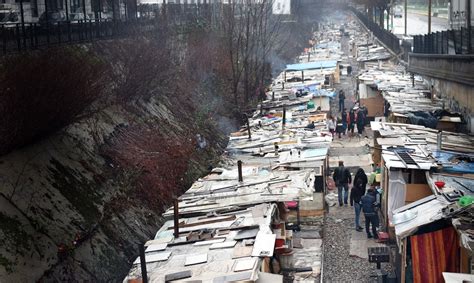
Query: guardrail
x=386, y=37
x=445, y=42
x=30, y=36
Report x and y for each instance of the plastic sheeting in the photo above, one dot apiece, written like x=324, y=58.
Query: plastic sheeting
x=396, y=192
x=312, y=65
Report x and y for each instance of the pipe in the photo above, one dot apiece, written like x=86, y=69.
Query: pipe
x=439, y=140
x=176, y=218
x=248, y=127
x=429, y=16
x=239, y=167
x=141, y=249
x=406, y=13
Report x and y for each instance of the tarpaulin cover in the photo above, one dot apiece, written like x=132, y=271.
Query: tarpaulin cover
x=434, y=253
x=396, y=192
x=312, y=65
x=423, y=118
x=315, y=90
x=455, y=162
x=331, y=44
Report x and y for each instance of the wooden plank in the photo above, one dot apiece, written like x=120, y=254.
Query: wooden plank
x=264, y=245
x=242, y=251
x=178, y=275
x=223, y=245
x=182, y=225
x=195, y=259
x=244, y=264
x=308, y=213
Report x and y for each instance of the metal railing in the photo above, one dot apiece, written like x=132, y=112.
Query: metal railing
x=445, y=42
x=386, y=37
x=30, y=36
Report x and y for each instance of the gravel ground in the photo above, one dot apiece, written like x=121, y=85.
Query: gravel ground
x=338, y=266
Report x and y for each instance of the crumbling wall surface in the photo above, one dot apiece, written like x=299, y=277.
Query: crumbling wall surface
x=77, y=198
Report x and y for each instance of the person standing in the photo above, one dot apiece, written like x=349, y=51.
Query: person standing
x=360, y=121
x=342, y=97
x=369, y=205
x=357, y=191
x=345, y=119
x=342, y=178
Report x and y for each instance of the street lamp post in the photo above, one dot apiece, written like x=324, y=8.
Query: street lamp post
x=406, y=8
x=429, y=16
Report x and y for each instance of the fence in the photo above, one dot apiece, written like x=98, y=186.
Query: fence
x=29, y=36
x=445, y=42
x=387, y=38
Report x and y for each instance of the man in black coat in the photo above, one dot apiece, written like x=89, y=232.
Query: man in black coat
x=342, y=178
x=369, y=205
x=357, y=191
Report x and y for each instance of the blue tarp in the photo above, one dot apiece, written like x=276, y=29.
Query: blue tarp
x=454, y=162
x=311, y=65
x=315, y=90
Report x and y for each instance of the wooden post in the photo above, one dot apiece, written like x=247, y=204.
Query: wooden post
x=248, y=126
x=176, y=218
x=141, y=249
x=284, y=118
x=239, y=168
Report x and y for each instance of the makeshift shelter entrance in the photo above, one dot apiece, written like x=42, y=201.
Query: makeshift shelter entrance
x=434, y=253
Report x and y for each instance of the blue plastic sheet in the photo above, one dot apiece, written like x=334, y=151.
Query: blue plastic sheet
x=311, y=65
x=455, y=162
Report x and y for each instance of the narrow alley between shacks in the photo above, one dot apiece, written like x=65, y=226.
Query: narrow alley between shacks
x=271, y=211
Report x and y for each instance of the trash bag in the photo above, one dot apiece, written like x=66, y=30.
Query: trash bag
x=423, y=119
x=331, y=199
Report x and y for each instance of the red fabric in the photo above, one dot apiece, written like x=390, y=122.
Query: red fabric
x=434, y=253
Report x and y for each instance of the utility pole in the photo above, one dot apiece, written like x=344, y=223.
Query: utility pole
x=468, y=19
x=392, y=10
x=406, y=8
x=429, y=16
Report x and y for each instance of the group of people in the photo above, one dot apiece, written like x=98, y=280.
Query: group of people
x=347, y=121
x=362, y=201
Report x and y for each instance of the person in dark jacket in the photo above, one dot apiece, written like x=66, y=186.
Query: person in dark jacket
x=352, y=122
x=360, y=121
x=357, y=191
x=342, y=178
x=369, y=205
x=342, y=97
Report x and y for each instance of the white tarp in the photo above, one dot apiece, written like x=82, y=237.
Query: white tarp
x=282, y=7
x=396, y=192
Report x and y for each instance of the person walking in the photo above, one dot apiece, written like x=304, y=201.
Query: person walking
x=369, y=205
x=331, y=123
x=351, y=122
x=342, y=178
x=357, y=191
x=342, y=97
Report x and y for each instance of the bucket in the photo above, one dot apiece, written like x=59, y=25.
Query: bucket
x=279, y=243
x=286, y=260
